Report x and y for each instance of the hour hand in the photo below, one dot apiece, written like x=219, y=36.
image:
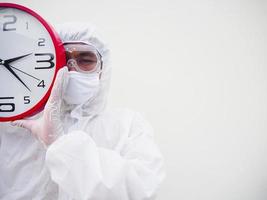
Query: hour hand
x=16, y=58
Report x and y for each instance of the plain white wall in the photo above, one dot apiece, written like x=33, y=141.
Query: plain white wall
x=197, y=70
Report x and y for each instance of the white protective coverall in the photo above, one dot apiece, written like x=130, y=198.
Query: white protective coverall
x=103, y=154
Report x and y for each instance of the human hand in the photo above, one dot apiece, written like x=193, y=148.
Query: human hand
x=49, y=127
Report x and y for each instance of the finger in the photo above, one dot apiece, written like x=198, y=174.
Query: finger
x=28, y=124
x=59, y=84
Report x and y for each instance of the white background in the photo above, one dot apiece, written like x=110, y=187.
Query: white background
x=197, y=70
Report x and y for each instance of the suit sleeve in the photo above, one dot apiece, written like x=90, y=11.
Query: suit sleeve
x=84, y=170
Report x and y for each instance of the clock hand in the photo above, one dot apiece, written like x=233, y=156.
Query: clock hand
x=24, y=72
x=2, y=62
x=16, y=58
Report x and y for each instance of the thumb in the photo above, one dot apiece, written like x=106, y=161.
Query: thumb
x=28, y=124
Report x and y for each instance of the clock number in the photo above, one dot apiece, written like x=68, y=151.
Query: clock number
x=50, y=60
x=12, y=21
x=7, y=107
x=41, y=84
x=27, y=25
x=41, y=42
x=27, y=99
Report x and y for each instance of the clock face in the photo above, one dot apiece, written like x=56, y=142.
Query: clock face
x=29, y=60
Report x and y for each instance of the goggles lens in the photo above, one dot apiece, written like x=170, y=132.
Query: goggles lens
x=82, y=57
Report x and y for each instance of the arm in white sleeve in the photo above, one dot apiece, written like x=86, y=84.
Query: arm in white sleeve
x=85, y=171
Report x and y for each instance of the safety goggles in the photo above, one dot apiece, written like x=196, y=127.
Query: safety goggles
x=82, y=57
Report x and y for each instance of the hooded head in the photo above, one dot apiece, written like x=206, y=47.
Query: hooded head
x=83, y=32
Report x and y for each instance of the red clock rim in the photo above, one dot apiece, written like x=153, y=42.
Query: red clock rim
x=60, y=60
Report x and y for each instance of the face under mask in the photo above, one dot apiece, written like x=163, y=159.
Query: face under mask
x=81, y=87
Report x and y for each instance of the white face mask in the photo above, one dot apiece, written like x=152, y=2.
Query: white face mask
x=81, y=87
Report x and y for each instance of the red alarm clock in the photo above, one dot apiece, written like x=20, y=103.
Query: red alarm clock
x=31, y=53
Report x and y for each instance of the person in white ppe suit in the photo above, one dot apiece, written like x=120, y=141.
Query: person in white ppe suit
x=76, y=148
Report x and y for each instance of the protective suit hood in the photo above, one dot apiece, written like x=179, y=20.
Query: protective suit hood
x=77, y=31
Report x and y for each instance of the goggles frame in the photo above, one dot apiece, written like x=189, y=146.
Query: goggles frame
x=99, y=64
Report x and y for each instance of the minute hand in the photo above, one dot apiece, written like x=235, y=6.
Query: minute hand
x=11, y=70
